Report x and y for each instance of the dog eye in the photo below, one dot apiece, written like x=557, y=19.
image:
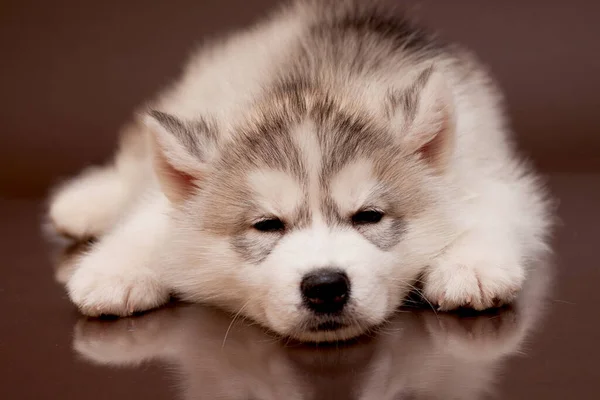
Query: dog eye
x=367, y=217
x=269, y=225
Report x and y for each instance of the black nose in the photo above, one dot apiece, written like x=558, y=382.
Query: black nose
x=325, y=291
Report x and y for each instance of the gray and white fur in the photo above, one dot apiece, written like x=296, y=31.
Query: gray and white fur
x=333, y=136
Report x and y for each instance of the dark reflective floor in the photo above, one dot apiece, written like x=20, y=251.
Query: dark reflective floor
x=544, y=347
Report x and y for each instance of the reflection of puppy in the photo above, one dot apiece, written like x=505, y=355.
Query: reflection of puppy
x=305, y=173
x=420, y=354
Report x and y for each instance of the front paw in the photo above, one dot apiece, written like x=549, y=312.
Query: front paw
x=469, y=276
x=100, y=287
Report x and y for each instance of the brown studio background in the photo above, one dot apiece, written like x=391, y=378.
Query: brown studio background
x=71, y=72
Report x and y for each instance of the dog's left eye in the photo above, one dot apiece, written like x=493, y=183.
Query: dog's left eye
x=269, y=225
x=367, y=217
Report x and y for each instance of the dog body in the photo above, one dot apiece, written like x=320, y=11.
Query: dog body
x=307, y=173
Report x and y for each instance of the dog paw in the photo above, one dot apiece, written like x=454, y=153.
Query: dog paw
x=468, y=276
x=99, y=287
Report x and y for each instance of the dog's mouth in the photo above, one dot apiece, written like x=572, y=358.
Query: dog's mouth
x=328, y=326
x=325, y=330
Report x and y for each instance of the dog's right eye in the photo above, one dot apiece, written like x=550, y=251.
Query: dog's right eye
x=365, y=217
x=269, y=225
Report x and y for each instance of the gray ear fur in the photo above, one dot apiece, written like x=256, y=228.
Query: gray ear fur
x=423, y=116
x=180, y=151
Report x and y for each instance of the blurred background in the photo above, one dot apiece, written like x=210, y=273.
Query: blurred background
x=72, y=71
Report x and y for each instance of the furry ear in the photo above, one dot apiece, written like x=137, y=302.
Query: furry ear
x=423, y=115
x=180, y=150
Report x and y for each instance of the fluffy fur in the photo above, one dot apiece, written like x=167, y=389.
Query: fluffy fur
x=323, y=110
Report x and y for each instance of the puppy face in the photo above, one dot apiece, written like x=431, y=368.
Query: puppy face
x=314, y=218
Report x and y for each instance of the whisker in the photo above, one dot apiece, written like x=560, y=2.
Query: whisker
x=419, y=292
x=232, y=322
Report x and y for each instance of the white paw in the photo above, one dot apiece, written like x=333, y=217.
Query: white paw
x=89, y=205
x=100, y=287
x=474, y=276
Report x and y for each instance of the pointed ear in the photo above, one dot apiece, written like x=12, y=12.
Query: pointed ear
x=423, y=116
x=180, y=151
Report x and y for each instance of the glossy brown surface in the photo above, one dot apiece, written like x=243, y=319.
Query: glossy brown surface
x=71, y=73
x=545, y=347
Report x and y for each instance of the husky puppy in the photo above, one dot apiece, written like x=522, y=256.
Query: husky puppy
x=307, y=173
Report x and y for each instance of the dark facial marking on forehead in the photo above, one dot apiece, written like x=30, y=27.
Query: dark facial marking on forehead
x=303, y=215
x=346, y=149
x=343, y=134
x=266, y=140
x=361, y=140
x=271, y=145
x=330, y=211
